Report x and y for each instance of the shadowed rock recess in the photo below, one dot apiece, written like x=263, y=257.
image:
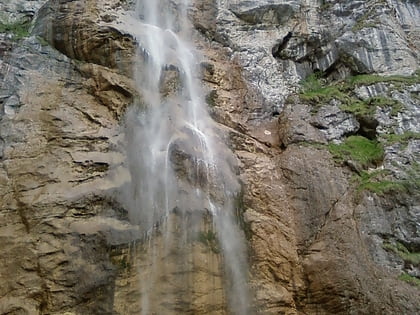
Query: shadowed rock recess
x=317, y=103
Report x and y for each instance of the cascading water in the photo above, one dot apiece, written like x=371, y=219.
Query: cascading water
x=183, y=188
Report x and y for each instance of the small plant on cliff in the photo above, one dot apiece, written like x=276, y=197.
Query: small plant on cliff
x=369, y=79
x=375, y=182
x=403, y=138
x=402, y=251
x=358, y=149
x=410, y=279
x=209, y=239
x=314, y=90
x=17, y=29
x=317, y=92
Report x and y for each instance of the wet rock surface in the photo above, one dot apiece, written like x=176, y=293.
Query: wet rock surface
x=319, y=242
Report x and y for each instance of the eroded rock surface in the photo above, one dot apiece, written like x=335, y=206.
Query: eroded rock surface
x=319, y=243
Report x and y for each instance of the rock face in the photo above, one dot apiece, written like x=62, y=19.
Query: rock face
x=330, y=230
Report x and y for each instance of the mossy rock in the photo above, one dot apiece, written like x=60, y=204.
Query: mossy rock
x=358, y=149
x=17, y=29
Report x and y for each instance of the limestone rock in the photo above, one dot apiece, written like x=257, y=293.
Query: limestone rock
x=317, y=243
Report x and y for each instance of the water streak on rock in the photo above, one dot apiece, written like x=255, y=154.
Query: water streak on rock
x=183, y=187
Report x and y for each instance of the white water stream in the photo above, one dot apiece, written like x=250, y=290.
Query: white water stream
x=180, y=168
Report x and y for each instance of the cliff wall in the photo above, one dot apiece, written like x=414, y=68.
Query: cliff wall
x=319, y=102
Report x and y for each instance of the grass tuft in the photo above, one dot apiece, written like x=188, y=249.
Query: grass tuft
x=375, y=182
x=358, y=149
x=409, y=279
x=19, y=30
x=403, y=138
x=315, y=91
x=402, y=251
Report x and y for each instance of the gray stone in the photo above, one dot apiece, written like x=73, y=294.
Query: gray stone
x=334, y=123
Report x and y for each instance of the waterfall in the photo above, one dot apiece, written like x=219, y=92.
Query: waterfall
x=184, y=188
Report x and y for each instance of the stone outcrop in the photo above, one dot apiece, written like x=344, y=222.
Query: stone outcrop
x=326, y=234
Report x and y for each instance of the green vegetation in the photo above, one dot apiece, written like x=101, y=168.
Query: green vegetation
x=358, y=149
x=408, y=257
x=379, y=181
x=366, y=108
x=410, y=279
x=211, y=98
x=402, y=138
x=369, y=79
x=413, y=181
x=364, y=22
x=402, y=251
x=19, y=30
x=375, y=182
x=209, y=239
x=315, y=91
x=124, y=264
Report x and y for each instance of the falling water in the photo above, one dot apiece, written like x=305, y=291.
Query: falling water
x=184, y=190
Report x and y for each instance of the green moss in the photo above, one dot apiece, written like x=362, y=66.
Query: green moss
x=322, y=94
x=382, y=187
x=368, y=107
x=311, y=83
x=410, y=279
x=317, y=93
x=413, y=180
x=401, y=138
x=359, y=108
x=17, y=29
x=386, y=102
x=369, y=79
x=375, y=182
x=211, y=98
x=365, y=21
x=402, y=251
x=359, y=149
x=209, y=239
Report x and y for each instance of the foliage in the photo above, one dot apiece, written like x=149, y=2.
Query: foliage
x=410, y=279
x=413, y=181
x=211, y=98
x=365, y=22
x=369, y=79
x=402, y=138
x=19, y=30
x=209, y=239
x=375, y=182
x=366, y=108
x=315, y=91
x=359, y=149
x=402, y=251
